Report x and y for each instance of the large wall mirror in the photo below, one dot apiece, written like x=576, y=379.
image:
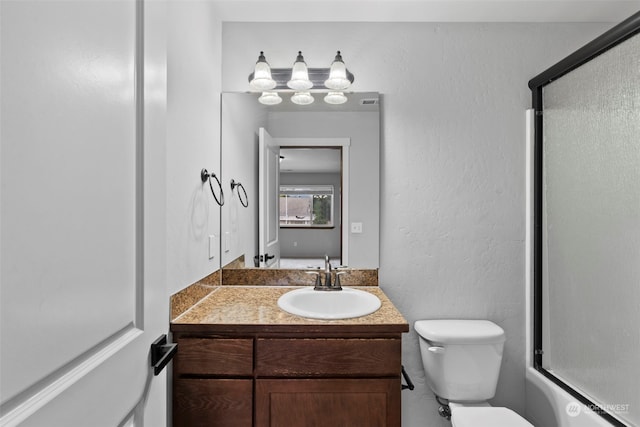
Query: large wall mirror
x=309, y=182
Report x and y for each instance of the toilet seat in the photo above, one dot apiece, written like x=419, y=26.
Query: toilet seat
x=488, y=416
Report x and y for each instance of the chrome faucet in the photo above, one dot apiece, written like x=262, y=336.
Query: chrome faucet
x=327, y=286
x=327, y=272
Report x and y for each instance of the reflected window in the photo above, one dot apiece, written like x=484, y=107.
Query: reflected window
x=306, y=206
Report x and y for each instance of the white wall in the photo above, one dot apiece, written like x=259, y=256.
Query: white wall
x=193, y=137
x=452, y=162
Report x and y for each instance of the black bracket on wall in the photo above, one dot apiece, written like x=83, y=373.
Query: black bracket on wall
x=161, y=354
x=409, y=384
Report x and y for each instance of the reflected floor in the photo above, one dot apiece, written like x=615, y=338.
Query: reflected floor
x=304, y=263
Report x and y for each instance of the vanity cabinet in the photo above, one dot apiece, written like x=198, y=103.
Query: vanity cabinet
x=267, y=379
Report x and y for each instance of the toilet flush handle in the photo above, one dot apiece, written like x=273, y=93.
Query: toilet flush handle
x=436, y=349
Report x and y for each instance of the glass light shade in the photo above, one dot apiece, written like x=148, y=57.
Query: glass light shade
x=337, y=75
x=335, y=98
x=270, y=98
x=300, y=75
x=262, y=75
x=302, y=98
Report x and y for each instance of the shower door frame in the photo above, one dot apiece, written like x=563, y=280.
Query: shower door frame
x=616, y=35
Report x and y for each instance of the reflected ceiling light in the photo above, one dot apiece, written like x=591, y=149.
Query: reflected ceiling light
x=337, y=75
x=300, y=75
x=270, y=98
x=261, y=77
x=335, y=98
x=302, y=98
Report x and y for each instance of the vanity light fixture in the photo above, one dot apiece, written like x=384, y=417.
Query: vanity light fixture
x=299, y=80
x=300, y=75
x=338, y=75
x=261, y=78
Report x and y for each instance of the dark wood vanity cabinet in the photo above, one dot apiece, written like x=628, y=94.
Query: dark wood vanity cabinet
x=269, y=380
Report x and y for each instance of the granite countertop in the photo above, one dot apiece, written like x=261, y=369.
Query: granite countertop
x=255, y=309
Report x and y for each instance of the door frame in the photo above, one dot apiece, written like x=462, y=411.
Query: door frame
x=344, y=144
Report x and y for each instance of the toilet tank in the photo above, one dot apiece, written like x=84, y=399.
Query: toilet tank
x=461, y=357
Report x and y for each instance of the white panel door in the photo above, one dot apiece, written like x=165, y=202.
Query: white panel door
x=269, y=200
x=82, y=224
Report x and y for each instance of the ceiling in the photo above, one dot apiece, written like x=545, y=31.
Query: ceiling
x=310, y=160
x=426, y=10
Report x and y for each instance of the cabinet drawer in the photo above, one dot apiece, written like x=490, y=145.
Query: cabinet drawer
x=212, y=403
x=213, y=356
x=328, y=357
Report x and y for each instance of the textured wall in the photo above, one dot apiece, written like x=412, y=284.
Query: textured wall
x=452, y=162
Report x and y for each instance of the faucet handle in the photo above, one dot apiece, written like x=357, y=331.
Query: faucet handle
x=337, y=282
x=318, y=284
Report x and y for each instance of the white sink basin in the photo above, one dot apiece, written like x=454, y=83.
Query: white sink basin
x=343, y=304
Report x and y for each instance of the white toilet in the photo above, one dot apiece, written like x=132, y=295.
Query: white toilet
x=462, y=362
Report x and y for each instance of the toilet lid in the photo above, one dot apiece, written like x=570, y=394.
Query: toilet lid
x=459, y=331
x=487, y=417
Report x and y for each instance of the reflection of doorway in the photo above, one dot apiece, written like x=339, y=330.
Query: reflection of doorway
x=312, y=172
x=310, y=205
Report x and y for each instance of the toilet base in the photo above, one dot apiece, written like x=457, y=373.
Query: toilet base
x=446, y=407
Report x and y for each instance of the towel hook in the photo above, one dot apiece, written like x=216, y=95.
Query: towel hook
x=235, y=184
x=206, y=176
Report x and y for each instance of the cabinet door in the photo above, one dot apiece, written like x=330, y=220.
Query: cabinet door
x=212, y=402
x=330, y=402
